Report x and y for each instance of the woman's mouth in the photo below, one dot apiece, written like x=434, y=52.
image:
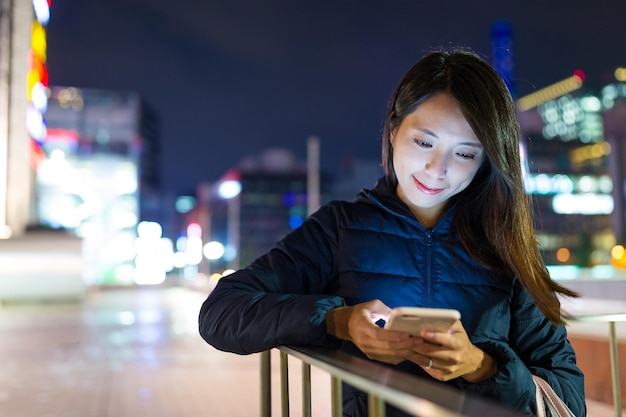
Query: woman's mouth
x=426, y=190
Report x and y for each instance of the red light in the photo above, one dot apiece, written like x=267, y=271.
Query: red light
x=37, y=155
x=194, y=229
x=579, y=75
x=37, y=64
x=69, y=136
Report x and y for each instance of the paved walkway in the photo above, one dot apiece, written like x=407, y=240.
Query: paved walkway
x=132, y=353
x=123, y=353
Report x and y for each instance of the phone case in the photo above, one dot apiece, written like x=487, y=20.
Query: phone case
x=414, y=320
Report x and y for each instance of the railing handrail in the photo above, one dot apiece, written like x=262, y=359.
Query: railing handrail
x=415, y=395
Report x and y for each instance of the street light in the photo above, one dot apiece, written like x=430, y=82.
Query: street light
x=230, y=190
x=213, y=250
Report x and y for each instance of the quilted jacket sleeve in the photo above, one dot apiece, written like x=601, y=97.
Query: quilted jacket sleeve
x=535, y=346
x=278, y=299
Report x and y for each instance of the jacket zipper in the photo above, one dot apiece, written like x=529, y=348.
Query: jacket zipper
x=429, y=266
x=429, y=247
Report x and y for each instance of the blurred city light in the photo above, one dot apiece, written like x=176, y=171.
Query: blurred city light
x=552, y=91
x=194, y=230
x=571, y=118
x=122, y=219
x=126, y=318
x=230, y=252
x=42, y=11
x=124, y=182
x=149, y=230
x=295, y=222
x=193, y=253
x=154, y=254
x=620, y=74
x=566, y=184
x=184, y=204
x=122, y=248
x=588, y=204
x=579, y=75
x=40, y=97
x=180, y=260
x=563, y=255
x=229, y=189
x=124, y=274
x=181, y=243
x=213, y=250
x=618, y=254
x=590, y=152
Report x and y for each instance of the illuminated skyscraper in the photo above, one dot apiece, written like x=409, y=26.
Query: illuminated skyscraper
x=568, y=172
x=101, y=163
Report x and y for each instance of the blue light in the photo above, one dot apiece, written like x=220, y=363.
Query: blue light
x=184, y=204
x=295, y=222
x=289, y=199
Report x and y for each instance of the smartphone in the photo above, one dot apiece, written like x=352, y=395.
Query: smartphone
x=415, y=319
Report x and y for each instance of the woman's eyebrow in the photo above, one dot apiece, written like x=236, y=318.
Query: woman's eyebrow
x=433, y=134
x=427, y=131
x=473, y=144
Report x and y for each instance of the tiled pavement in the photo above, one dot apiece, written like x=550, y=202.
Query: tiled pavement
x=133, y=352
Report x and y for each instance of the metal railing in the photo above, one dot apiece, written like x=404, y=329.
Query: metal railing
x=599, y=310
x=383, y=385
x=611, y=319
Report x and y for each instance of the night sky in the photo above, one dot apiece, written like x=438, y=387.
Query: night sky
x=232, y=78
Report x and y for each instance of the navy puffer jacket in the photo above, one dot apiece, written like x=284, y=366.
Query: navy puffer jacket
x=374, y=248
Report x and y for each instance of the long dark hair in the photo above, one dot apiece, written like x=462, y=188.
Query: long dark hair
x=494, y=220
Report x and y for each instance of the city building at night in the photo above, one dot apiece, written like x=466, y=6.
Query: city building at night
x=572, y=166
x=98, y=175
x=250, y=208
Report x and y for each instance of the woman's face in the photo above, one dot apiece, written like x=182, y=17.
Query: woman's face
x=435, y=156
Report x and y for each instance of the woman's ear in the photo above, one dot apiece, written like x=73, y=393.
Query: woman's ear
x=392, y=136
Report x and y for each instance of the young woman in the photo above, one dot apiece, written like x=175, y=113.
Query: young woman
x=448, y=226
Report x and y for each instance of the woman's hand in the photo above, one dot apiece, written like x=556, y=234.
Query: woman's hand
x=358, y=325
x=449, y=355
x=444, y=356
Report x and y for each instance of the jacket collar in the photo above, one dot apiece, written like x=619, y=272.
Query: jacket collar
x=384, y=195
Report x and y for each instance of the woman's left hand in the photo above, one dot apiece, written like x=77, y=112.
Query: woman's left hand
x=449, y=355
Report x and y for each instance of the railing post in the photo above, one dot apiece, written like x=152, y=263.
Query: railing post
x=284, y=384
x=265, y=360
x=336, y=397
x=617, y=392
x=306, y=389
x=376, y=406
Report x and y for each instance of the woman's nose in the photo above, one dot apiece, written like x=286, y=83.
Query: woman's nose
x=437, y=166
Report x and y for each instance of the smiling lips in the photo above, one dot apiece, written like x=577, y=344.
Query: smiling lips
x=425, y=189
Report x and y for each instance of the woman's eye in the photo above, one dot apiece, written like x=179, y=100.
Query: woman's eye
x=422, y=143
x=466, y=155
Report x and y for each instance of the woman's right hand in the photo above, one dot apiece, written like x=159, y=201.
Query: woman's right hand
x=358, y=324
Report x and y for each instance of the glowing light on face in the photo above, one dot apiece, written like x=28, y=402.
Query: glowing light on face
x=435, y=156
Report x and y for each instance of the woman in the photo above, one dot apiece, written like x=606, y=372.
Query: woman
x=448, y=226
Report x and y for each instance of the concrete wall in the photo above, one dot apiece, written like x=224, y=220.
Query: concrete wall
x=41, y=266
